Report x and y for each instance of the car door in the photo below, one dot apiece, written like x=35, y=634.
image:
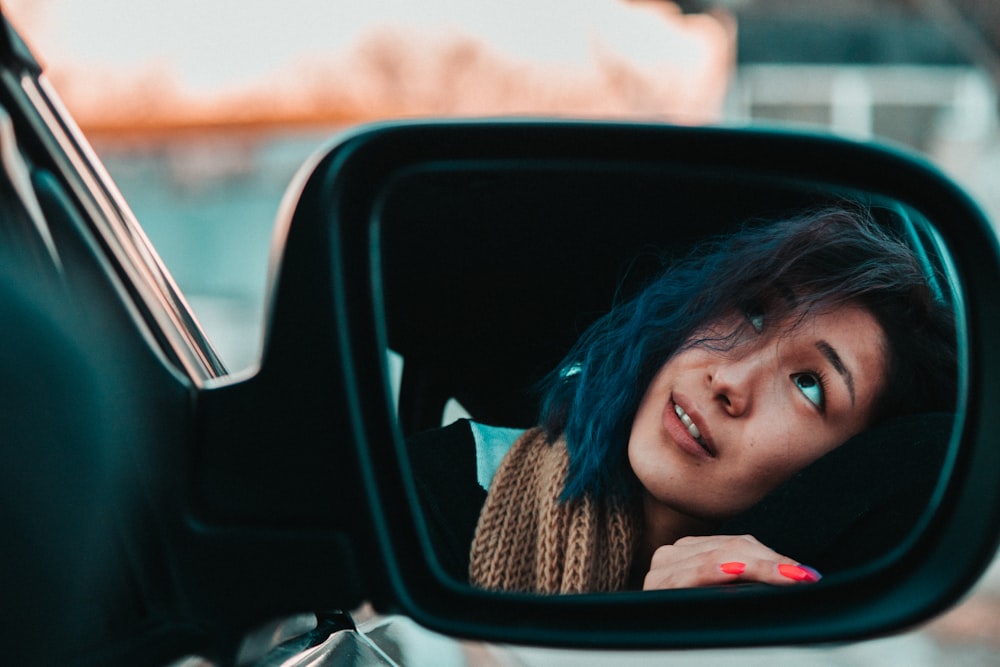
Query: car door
x=106, y=559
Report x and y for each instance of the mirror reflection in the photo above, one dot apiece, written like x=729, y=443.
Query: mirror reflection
x=671, y=383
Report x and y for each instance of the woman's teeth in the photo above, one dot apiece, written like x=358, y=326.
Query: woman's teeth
x=688, y=424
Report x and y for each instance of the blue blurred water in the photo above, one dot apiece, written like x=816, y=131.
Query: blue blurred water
x=208, y=204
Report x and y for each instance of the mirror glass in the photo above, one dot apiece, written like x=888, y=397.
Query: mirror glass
x=794, y=381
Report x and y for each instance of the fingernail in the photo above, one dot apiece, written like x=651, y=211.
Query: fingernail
x=799, y=572
x=734, y=567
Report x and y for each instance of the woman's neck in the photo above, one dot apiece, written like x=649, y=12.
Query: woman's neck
x=662, y=525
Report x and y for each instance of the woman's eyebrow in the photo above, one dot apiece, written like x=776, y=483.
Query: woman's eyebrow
x=838, y=365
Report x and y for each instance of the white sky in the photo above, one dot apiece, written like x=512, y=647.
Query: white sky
x=220, y=44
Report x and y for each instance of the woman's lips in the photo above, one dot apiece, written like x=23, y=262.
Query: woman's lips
x=685, y=432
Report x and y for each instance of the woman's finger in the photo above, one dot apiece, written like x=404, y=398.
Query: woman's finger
x=720, y=559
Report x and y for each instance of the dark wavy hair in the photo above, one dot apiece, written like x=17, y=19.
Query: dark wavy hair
x=817, y=260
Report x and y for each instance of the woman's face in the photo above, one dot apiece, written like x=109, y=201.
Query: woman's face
x=717, y=430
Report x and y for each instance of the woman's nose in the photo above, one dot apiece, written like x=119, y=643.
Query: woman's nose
x=731, y=382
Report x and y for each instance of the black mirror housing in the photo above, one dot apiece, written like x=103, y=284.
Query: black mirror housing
x=325, y=362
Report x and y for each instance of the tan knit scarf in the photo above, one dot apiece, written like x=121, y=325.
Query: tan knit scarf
x=528, y=540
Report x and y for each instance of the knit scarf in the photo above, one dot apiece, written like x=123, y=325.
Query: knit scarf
x=529, y=540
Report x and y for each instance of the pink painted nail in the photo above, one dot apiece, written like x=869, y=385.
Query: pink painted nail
x=799, y=572
x=733, y=567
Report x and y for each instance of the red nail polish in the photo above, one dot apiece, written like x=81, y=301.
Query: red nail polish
x=798, y=572
x=734, y=567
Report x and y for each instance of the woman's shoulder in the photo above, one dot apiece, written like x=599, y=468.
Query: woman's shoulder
x=452, y=469
x=462, y=446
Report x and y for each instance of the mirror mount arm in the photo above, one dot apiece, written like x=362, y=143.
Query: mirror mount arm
x=280, y=499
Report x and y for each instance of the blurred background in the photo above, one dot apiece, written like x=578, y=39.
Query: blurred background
x=203, y=110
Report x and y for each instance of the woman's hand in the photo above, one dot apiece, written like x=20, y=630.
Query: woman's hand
x=722, y=559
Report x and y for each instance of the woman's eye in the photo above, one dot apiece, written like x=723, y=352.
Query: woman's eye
x=810, y=386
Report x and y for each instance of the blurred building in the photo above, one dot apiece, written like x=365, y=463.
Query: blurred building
x=865, y=69
x=922, y=73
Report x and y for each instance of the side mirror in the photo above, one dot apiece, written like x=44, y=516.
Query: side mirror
x=440, y=241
